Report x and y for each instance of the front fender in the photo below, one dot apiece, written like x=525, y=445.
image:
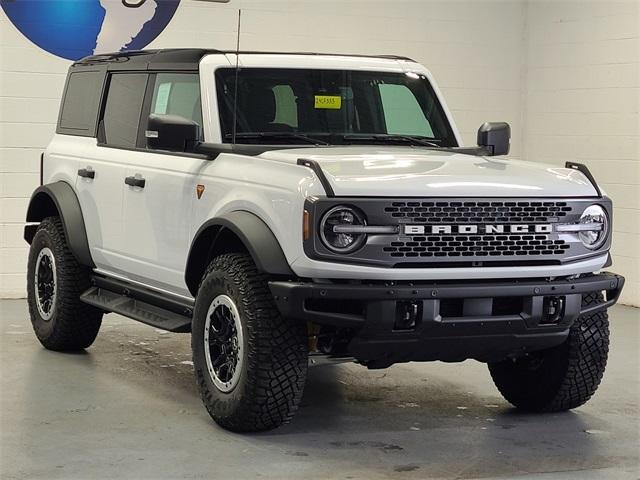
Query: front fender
x=255, y=235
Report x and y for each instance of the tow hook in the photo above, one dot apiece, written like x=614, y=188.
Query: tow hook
x=408, y=315
x=552, y=310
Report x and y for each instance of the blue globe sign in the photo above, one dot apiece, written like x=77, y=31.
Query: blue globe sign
x=73, y=29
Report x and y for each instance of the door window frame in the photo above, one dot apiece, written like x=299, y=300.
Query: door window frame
x=101, y=134
x=141, y=140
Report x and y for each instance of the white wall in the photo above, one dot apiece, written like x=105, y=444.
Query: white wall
x=473, y=48
x=477, y=50
x=582, y=97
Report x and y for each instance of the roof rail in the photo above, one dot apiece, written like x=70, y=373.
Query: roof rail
x=187, y=58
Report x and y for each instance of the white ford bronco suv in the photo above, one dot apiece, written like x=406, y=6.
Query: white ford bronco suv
x=282, y=206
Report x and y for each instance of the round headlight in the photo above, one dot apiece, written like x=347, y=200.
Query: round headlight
x=338, y=229
x=595, y=217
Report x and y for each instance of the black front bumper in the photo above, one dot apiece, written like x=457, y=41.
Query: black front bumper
x=450, y=321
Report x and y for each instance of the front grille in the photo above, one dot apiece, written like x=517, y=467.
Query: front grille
x=454, y=232
x=477, y=245
x=478, y=212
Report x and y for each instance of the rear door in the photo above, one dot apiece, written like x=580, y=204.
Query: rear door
x=101, y=174
x=157, y=203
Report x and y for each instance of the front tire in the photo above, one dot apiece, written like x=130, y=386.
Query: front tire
x=250, y=362
x=562, y=377
x=55, y=281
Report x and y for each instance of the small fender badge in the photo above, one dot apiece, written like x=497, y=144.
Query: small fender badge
x=199, y=190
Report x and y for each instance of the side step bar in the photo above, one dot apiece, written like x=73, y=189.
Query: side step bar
x=138, y=303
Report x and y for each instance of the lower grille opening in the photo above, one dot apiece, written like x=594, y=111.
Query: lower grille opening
x=497, y=306
x=507, y=305
x=451, y=307
x=345, y=307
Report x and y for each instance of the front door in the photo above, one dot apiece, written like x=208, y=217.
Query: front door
x=160, y=190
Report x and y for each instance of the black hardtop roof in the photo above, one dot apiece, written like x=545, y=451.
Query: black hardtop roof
x=182, y=58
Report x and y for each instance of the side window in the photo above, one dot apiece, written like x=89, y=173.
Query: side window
x=79, y=111
x=402, y=112
x=286, y=106
x=123, y=108
x=177, y=94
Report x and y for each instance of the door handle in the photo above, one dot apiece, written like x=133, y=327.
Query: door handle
x=86, y=173
x=135, y=181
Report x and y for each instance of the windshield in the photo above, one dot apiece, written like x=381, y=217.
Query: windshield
x=303, y=106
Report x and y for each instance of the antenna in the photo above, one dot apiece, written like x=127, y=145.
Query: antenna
x=235, y=87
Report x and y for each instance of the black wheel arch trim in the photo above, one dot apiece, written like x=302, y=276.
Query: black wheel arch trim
x=253, y=232
x=60, y=199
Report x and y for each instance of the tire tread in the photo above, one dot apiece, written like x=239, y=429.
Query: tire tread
x=276, y=355
x=570, y=382
x=76, y=324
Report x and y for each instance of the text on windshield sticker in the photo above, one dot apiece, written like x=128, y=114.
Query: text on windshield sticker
x=328, y=102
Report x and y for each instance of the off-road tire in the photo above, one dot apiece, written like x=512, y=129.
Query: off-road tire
x=73, y=324
x=275, y=352
x=562, y=377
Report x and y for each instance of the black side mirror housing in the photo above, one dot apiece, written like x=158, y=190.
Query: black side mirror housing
x=172, y=132
x=495, y=137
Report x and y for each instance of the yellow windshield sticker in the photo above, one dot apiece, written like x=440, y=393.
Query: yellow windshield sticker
x=330, y=102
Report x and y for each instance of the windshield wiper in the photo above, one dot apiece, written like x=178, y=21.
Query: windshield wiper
x=391, y=138
x=278, y=135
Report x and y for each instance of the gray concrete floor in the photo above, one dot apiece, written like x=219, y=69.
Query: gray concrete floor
x=128, y=408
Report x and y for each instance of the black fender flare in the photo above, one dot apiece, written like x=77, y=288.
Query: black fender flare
x=254, y=234
x=60, y=199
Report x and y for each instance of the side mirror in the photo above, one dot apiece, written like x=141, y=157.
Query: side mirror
x=171, y=132
x=495, y=137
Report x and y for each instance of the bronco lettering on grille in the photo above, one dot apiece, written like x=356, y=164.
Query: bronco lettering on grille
x=475, y=229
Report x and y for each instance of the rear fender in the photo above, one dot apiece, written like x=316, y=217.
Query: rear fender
x=59, y=199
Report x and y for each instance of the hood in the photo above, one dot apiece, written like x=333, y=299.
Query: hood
x=417, y=172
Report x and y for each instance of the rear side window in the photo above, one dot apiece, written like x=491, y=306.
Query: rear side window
x=123, y=108
x=177, y=94
x=79, y=111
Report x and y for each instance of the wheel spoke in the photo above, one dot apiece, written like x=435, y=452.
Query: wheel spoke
x=45, y=283
x=224, y=343
x=217, y=359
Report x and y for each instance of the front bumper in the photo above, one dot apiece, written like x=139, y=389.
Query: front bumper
x=305, y=267
x=452, y=321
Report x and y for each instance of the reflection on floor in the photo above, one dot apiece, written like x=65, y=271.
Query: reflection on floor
x=128, y=408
